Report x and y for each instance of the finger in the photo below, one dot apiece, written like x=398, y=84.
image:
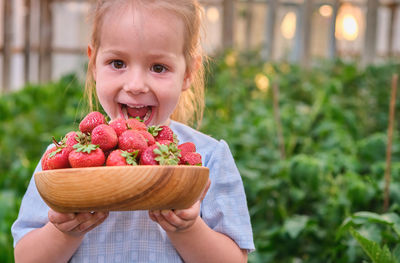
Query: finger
x=163, y=223
x=73, y=224
x=152, y=217
x=67, y=226
x=85, y=216
x=96, y=219
x=170, y=217
x=190, y=213
x=59, y=218
x=101, y=220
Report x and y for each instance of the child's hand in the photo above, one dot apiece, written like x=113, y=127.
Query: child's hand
x=76, y=224
x=178, y=220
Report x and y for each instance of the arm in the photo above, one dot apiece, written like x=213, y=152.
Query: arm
x=199, y=243
x=193, y=239
x=46, y=244
x=58, y=240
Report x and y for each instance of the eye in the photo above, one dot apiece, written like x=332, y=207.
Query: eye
x=158, y=68
x=118, y=64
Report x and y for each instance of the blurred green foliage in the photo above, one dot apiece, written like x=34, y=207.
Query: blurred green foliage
x=374, y=229
x=28, y=120
x=334, y=120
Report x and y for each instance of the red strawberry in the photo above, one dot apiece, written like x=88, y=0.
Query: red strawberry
x=135, y=124
x=149, y=138
x=43, y=162
x=165, y=134
x=148, y=156
x=191, y=158
x=164, y=142
x=56, y=158
x=121, y=158
x=119, y=125
x=71, y=139
x=187, y=147
x=86, y=156
x=104, y=136
x=132, y=140
x=160, y=154
x=90, y=121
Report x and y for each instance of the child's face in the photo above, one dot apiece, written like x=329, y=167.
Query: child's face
x=140, y=68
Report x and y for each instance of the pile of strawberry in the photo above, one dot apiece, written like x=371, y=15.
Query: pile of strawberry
x=120, y=142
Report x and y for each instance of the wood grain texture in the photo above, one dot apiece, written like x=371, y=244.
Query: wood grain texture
x=121, y=188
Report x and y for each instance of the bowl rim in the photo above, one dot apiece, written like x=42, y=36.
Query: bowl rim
x=124, y=167
x=115, y=172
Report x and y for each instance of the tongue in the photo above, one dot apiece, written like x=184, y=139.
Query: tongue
x=137, y=112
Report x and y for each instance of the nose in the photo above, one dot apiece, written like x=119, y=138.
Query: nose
x=135, y=82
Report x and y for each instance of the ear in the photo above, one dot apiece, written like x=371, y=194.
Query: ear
x=89, y=51
x=187, y=81
x=90, y=56
x=190, y=72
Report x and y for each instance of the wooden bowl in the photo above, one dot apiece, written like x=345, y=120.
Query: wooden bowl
x=121, y=188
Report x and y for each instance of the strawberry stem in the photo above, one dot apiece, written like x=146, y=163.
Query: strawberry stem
x=56, y=142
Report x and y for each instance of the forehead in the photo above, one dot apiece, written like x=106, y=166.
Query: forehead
x=126, y=21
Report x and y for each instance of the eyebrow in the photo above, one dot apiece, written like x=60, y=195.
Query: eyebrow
x=113, y=52
x=155, y=55
x=162, y=55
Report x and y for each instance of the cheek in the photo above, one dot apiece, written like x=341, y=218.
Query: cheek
x=104, y=86
x=101, y=91
x=171, y=103
x=171, y=95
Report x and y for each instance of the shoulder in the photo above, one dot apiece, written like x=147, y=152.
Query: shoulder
x=188, y=134
x=206, y=145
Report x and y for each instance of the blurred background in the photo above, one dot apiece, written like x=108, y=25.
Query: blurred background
x=45, y=39
x=316, y=139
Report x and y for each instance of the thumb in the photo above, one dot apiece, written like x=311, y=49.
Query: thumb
x=59, y=218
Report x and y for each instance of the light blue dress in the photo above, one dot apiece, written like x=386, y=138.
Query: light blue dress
x=132, y=237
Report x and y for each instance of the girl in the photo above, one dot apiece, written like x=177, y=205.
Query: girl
x=145, y=60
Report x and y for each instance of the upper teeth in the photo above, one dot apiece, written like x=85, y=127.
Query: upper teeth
x=136, y=107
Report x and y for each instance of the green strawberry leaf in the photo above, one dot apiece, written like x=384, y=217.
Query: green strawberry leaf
x=82, y=138
x=157, y=152
x=163, y=148
x=167, y=154
x=130, y=157
x=154, y=130
x=87, y=148
x=52, y=154
x=131, y=161
x=176, y=141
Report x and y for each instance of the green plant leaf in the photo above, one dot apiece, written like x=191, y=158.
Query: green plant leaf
x=373, y=250
x=294, y=225
x=391, y=219
x=396, y=253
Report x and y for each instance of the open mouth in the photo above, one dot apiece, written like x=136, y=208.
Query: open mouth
x=145, y=113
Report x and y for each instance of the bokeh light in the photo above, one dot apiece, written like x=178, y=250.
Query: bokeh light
x=325, y=10
x=288, y=26
x=212, y=14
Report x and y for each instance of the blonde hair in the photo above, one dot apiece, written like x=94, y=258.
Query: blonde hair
x=190, y=107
